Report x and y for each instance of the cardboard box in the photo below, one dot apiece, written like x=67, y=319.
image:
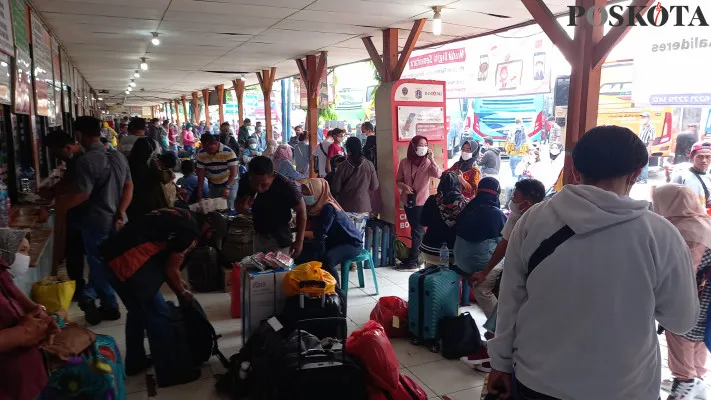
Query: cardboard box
x=262, y=297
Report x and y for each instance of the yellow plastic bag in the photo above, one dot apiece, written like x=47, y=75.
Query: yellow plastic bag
x=310, y=271
x=54, y=294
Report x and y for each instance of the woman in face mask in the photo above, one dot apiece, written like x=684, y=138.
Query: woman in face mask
x=466, y=169
x=282, y=162
x=413, y=178
x=251, y=150
x=336, y=238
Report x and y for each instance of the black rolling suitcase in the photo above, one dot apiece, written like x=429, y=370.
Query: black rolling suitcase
x=323, y=373
x=321, y=308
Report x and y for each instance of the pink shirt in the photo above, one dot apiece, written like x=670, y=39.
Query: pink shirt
x=188, y=138
x=417, y=178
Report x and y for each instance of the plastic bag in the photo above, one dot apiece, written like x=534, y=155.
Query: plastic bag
x=53, y=294
x=373, y=349
x=310, y=271
x=391, y=313
x=407, y=389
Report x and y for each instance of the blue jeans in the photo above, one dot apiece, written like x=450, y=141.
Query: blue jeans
x=216, y=192
x=99, y=286
x=513, y=162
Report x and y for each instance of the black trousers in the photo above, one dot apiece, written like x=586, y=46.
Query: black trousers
x=74, y=254
x=417, y=232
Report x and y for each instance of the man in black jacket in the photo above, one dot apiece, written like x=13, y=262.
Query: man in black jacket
x=491, y=160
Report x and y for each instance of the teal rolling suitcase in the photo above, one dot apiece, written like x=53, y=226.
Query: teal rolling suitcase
x=433, y=295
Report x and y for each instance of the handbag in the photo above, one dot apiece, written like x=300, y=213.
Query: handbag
x=53, y=293
x=460, y=336
x=71, y=341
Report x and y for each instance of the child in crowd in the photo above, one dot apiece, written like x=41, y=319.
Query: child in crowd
x=188, y=183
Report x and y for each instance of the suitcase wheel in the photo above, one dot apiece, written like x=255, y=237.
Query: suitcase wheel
x=435, y=347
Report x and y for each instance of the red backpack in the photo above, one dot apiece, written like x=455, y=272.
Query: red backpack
x=407, y=389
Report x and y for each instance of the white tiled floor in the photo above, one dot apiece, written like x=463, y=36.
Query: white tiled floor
x=440, y=378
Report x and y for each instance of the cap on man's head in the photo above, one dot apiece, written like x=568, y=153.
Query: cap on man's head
x=703, y=145
x=645, y=115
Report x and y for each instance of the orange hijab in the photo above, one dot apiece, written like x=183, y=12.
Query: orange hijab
x=321, y=191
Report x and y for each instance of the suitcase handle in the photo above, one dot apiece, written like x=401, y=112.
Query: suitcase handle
x=318, y=284
x=343, y=330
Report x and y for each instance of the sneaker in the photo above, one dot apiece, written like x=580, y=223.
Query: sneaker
x=484, y=367
x=92, y=316
x=480, y=356
x=683, y=390
x=109, y=314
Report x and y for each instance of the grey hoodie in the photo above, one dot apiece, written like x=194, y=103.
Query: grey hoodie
x=581, y=326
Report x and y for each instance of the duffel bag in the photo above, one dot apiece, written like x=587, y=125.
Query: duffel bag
x=460, y=336
x=305, y=306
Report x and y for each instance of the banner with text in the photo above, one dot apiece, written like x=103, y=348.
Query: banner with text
x=42, y=68
x=489, y=66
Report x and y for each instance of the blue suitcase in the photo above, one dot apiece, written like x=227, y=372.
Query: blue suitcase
x=434, y=294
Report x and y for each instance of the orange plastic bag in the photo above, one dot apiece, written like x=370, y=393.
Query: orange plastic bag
x=310, y=271
x=373, y=349
x=391, y=313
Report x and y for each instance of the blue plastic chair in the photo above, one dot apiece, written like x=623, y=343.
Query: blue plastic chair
x=363, y=257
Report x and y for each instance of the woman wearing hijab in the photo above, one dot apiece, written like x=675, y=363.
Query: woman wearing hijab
x=336, y=238
x=479, y=228
x=282, y=163
x=687, y=353
x=467, y=171
x=439, y=216
x=413, y=178
x=149, y=176
x=354, y=179
x=271, y=148
x=251, y=150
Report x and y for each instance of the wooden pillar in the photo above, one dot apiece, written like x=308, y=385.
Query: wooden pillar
x=220, y=90
x=311, y=71
x=177, y=112
x=586, y=54
x=239, y=92
x=206, y=102
x=184, y=101
x=196, y=116
x=390, y=66
x=266, y=81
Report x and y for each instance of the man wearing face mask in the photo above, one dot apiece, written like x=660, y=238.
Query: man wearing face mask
x=243, y=133
x=260, y=135
x=591, y=257
x=301, y=154
x=491, y=161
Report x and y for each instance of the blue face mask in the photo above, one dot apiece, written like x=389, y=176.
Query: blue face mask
x=309, y=200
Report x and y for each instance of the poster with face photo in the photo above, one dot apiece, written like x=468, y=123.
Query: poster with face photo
x=508, y=75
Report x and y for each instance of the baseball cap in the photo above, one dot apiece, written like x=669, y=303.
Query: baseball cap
x=645, y=114
x=700, y=146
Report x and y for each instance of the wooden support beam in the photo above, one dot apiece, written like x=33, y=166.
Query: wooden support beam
x=239, y=92
x=312, y=110
x=206, y=103
x=409, y=46
x=220, y=90
x=184, y=100
x=320, y=67
x=617, y=33
x=375, y=57
x=266, y=81
x=196, y=115
x=302, y=69
x=390, y=53
x=177, y=113
x=549, y=24
x=260, y=78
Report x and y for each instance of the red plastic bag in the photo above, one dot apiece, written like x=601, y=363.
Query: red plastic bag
x=372, y=348
x=391, y=313
x=407, y=389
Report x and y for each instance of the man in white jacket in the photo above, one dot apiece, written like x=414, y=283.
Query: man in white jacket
x=581, y=324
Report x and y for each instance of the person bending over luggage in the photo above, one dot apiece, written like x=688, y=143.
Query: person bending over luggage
x=146, y=253
x=188, y=183
x=439, y=215
x=336, y=238
x=478, y=233
x=272, y=198
x=149, y=176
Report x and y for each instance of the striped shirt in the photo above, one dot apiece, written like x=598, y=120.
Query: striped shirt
x=217, y=166
x=648, y=133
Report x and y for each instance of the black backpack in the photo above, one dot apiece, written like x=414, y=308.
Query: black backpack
x=204, y=270
x=202, y=338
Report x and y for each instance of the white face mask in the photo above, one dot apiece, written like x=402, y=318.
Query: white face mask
x=20, y=266
x=253, y=146
x=250, y=129
x=515, y=208
x=421, y=151
x=467, y=155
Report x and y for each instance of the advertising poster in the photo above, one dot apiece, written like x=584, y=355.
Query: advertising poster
x=23, y=82
x=425, y=121
x=7, y=44
x=42, y=64
x=19, y=24
x=5, y=79
x=56, y=83
x=322, y=89
x=490, y=66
